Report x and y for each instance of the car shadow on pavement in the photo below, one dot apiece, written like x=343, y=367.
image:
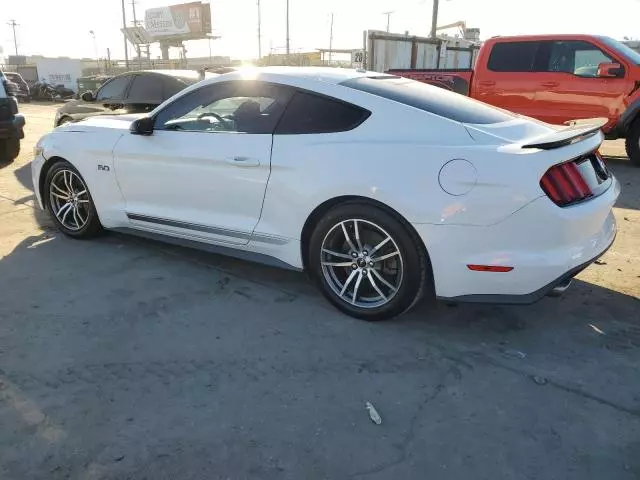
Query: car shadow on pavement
x=119, y=348
x=629, y=177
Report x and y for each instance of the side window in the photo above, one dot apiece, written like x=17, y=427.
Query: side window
x=576, y=57
x=244, y=106
x=309, y=113
x=113, y=90
x=146, y=89
x=513, y=57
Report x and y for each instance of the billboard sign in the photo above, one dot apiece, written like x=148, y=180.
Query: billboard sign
x=186, y=21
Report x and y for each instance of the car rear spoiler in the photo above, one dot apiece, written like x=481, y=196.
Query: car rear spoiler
x=577, y=131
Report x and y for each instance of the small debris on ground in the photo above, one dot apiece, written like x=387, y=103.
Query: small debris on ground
x=627, y=219
x=540, y=380
x=600, y=262
x=373, y=414
x=118, y=458
x=515, y=354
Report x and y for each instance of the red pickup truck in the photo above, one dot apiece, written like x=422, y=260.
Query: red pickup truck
x=554, y=78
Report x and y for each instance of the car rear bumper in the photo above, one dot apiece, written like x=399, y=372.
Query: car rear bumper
x=546, y=245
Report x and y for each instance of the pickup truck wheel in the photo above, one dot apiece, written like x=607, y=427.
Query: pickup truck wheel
x=633, y=143
x=9, y=150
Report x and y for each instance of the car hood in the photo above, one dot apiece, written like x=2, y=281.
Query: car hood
x=118, y=122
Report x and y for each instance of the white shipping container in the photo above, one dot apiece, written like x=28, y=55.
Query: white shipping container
x=56, y=71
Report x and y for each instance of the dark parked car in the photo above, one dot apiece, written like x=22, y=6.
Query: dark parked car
x=23, y=94
x=132, y=92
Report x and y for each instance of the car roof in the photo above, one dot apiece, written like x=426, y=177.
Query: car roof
x=547, y=37
x=328, y=75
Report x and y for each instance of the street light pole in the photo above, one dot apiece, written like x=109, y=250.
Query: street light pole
x=388, y=14
x=95, y=48
x=434, y=18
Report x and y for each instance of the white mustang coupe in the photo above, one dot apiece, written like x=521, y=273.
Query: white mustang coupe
x=382, y=188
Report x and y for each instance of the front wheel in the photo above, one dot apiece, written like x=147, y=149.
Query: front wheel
x=70, y=203
x=633, y=143
x=9, y=150
x=367, y=262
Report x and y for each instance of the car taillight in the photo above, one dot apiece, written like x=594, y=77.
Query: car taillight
x=565, y=185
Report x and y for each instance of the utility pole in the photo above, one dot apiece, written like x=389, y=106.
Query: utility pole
x=259, y=33
x=124, y=25
x=331, y=39
x=434, y=18
x=288, y=30
x=388, y=14
x=13, y=24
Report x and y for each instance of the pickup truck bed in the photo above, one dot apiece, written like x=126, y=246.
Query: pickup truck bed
x=456, y=80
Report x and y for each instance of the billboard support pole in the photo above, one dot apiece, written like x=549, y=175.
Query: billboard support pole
x=124, y=25
x=135, y=24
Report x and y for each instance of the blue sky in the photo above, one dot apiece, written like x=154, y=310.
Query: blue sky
x=61, y=27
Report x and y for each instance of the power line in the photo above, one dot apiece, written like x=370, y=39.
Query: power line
x=13, y=24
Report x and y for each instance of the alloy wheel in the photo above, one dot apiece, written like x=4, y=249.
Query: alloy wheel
x=362, y=263
x=69, y=200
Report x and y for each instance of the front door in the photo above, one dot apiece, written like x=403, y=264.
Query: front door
x=569, y=87
x=203, y=172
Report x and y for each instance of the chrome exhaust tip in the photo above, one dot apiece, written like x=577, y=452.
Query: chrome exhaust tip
x=560, y=288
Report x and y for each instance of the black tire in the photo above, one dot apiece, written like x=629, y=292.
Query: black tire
x=632, y=143
x=416, y=275
x=9, y=150
x=92, y=227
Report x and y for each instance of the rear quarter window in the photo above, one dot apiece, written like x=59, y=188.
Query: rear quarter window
x=308, y=113
x=430, y=99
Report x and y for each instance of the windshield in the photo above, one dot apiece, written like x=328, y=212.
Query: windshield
x=622, y=49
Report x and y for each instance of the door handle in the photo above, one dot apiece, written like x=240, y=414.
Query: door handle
x=550, y=84
x=243, y=161
x=488, y=83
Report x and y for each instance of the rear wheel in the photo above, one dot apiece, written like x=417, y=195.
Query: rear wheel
x=366, y=262
x=69, y=202
x=633, y=143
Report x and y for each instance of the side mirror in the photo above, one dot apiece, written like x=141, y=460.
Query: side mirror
x=610, y=70
x=142, y=126
x=87, y=96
